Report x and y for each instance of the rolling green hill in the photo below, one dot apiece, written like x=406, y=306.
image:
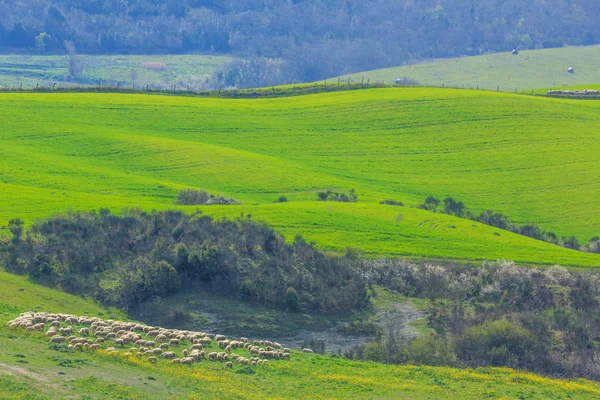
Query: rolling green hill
x=530, y=69
x=158, y=71
x=30, y=368
x=532, y=158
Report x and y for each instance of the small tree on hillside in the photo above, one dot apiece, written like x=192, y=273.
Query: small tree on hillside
x=292, y=300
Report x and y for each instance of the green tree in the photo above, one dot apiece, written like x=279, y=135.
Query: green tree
x=292, y=300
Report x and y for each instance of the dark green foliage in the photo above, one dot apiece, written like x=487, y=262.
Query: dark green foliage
x=292, y=300
x=124, y=260
x=453, y=207
x=430, y=203
x=540, y=320
x=341, y=197
x=489, y=217
x=392, y=203
x=193, y=197
x=281, y=199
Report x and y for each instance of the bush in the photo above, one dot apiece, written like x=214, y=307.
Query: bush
x=281, y=199
x=193, y=197
x=292, y=300
x=341, y=197
x=430, y=203
x=392, y=203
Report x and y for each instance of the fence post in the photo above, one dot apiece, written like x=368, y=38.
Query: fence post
x=118, y=85
x=37, y=85
x=147, y=88
x=338, y=81
x=348, y=81
x=477, y=87
x=498, y=89
x=99, y=83
x=362, y=81
x=516, y=90
x=325, y=83
x=368, y=80
x=53, y=86
x=21, y=86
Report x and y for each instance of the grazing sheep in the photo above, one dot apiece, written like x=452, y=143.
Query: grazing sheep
x=78, y=346
x=202, y=354
x=100, y=340
x=150, y=344
x=174, y=342
x=196, y=347
x=151, y=359
x=157, y=351
x=168, y=355
x=84, y=331
x=164, y=346
x=119, y=342
x=254, y=363
x=286, y=350
x=95, y=347
x=228, y=349
x=229, y=364
x=307, y=350
x=286, y=356
x=185, y=352
x=212, y=356
x=110, y=349
x=187, y=360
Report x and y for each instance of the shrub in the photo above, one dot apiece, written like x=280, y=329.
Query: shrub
x=193, y=197
x=431, y=203
x=392, y=203
x=292, y=300
x=281, y=199
x=341, y=197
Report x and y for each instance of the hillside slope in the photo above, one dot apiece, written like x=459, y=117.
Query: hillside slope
x=534, y=159
x=530, y=69
x=31, y=368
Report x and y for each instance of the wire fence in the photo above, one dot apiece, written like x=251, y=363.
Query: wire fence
x=327, y=85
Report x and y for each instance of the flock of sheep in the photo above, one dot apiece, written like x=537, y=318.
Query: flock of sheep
x=149, y=342
x=586, y=92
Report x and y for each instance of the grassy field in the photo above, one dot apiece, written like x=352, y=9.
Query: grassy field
x=530, y=69
x=532, y=158
x=179, y=70
x=30, y=368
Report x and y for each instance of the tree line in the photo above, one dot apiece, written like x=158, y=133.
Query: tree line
x=457, y=208
x=301, y=40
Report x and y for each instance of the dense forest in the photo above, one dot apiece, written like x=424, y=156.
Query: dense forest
x=310, y=39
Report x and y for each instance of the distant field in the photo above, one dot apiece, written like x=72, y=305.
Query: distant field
x=30, y=368
x=530, y=69
x=179, y=70
x=532, y=158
